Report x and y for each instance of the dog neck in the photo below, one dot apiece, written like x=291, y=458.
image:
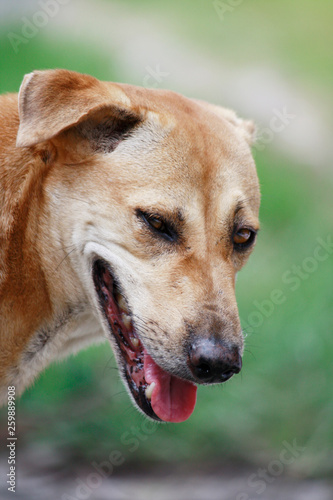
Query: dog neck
x=36, y=327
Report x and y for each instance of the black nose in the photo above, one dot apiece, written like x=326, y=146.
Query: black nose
x=212, y=361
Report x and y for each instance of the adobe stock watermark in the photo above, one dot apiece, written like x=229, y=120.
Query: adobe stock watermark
x=32, y=26
x=11, y=439
x=223, y=8
x=280, y=120
x=130, y=439
x=260, y=480
x=154, y=76
x=292, y=278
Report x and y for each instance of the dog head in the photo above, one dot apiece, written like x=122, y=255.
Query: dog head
x=158, y=197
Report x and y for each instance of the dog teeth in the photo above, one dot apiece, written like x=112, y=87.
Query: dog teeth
x=122, y=303
x=149, y=390
x=126, y=320
x=135, y=341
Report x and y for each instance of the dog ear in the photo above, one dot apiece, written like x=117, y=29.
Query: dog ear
x=246, y=128
x=53, y=101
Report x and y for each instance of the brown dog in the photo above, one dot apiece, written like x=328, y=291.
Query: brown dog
x=125, y=214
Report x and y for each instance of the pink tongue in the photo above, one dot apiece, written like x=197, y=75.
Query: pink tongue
x=173, y=399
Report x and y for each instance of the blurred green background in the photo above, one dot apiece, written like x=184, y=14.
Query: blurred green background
x=274, y=55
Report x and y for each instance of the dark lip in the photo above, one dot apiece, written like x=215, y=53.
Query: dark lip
x=99, y=267
x=140, y=398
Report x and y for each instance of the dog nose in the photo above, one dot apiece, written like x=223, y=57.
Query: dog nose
x=212, y=361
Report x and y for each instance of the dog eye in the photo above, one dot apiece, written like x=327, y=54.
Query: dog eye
x=159, y=226
x=157, y=223
x=243, y=238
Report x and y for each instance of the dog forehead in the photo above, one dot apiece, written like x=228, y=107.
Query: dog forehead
x=182, y=147
x=170, y=173
x=196, y=151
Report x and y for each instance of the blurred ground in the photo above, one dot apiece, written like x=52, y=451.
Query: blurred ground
x=166, y=484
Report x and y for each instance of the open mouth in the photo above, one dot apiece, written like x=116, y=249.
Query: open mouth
x=160, y=395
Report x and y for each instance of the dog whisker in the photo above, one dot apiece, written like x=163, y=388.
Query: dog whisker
x=66, y=256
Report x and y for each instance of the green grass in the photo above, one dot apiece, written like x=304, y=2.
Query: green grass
x=42, y=52
x=295, y=37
